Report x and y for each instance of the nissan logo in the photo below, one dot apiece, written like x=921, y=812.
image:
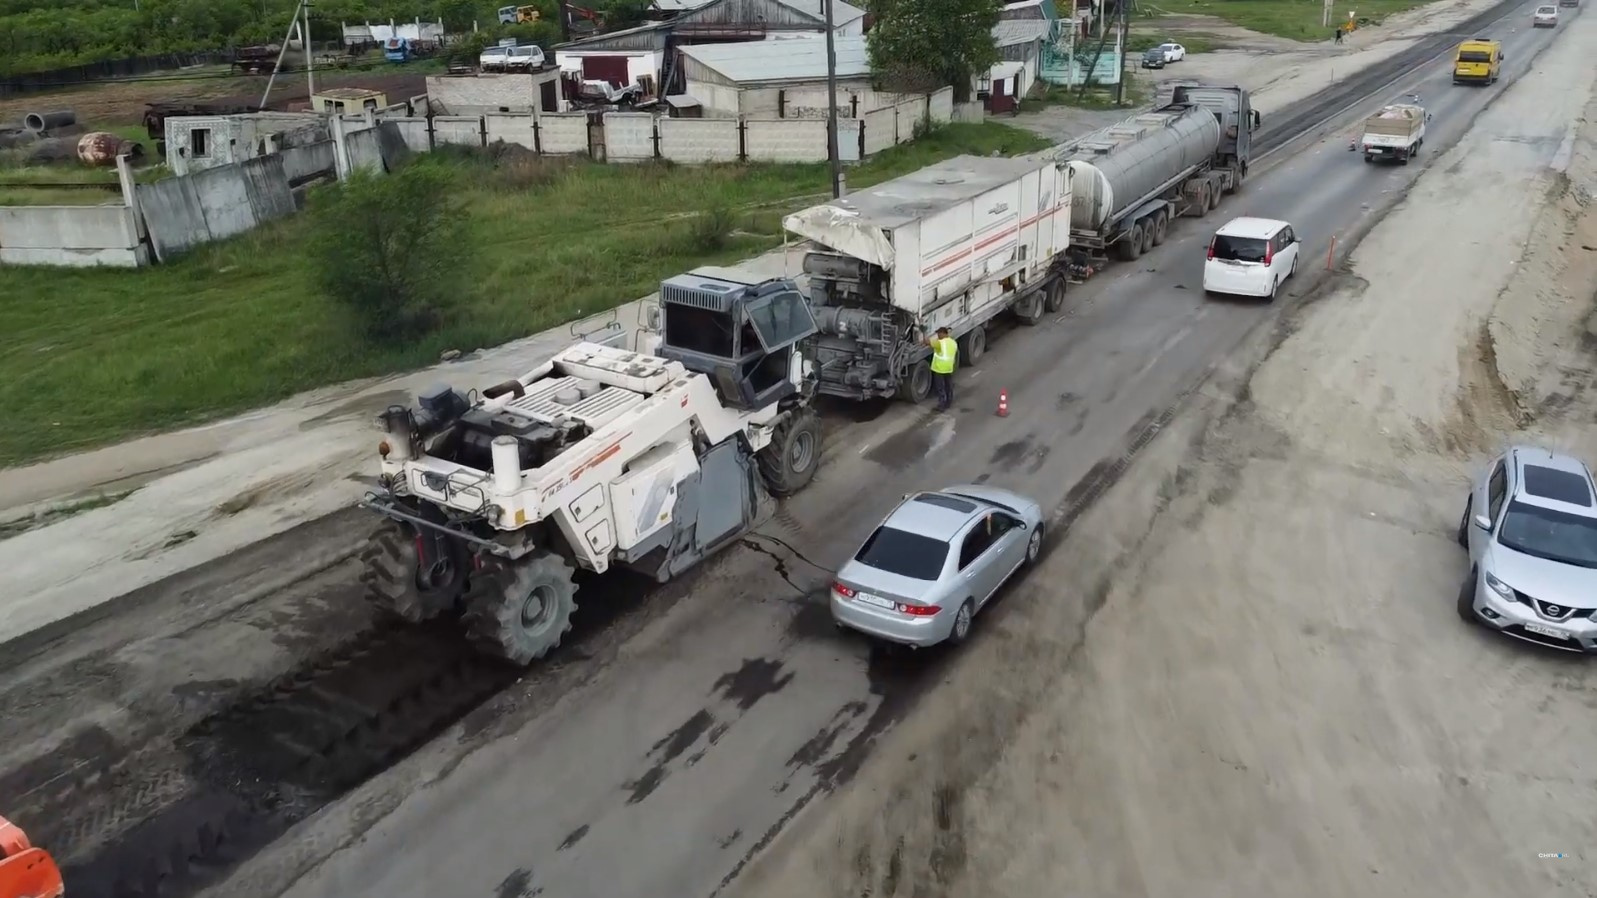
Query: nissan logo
x=1554, y=610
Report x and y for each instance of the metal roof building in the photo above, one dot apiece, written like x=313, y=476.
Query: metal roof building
x=754, y=64
x=726, y=20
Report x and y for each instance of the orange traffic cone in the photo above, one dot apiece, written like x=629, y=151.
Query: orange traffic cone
x=1003, y=403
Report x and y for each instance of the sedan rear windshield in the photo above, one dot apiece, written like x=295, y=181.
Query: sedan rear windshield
x=1549, y=534
x=1475, y=55
x=903, y=553
x=1239, y=249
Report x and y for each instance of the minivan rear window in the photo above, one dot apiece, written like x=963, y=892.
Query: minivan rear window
x=1239, y=249
x=1474, y=56
x=903, y=553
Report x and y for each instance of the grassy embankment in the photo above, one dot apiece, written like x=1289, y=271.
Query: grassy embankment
x=1291, y=19
x=93, y=356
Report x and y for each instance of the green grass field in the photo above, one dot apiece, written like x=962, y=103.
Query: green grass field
x=93, y=356
x=1295, y=19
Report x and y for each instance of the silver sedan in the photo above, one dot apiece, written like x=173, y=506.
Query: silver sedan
x=937, y=559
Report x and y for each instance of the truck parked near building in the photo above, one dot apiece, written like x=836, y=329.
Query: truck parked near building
x=953, y=245
x=1131, y=179
x=1396, y=132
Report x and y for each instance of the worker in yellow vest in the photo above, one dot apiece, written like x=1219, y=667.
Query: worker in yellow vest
x=945, y=351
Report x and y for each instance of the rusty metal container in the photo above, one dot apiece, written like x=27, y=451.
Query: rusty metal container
x=102, y=148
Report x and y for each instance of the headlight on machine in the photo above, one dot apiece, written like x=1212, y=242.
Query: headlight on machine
x=1501, y=588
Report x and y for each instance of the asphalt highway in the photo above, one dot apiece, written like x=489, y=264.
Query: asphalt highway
x=709, y=729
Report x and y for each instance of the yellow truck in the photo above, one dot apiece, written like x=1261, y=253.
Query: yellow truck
x=1477, y=61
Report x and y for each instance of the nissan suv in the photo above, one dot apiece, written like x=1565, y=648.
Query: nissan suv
x=1530, y=527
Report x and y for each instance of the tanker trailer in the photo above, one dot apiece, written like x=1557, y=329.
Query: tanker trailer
x=953, y=245
x=1132, y=178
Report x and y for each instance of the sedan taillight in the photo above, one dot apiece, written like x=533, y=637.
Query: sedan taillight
x=918, y=610
x=844, y=591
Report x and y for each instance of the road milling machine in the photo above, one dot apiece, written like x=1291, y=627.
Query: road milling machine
x=652, y=459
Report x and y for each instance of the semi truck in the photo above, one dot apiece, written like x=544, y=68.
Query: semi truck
x=1396, y=132
x=1131, y=179
x=953, y=245
x=651, y=460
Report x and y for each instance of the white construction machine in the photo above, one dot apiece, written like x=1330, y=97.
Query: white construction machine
x=652, y=460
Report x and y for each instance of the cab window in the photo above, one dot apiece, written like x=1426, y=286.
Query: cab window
x=1496, y=490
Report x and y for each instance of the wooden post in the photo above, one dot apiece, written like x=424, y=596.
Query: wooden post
x=1330, y=254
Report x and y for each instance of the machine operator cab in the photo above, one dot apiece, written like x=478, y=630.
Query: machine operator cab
x=748, y=336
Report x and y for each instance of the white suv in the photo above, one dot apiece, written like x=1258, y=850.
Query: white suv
x=1530, y=527
x=1251, y=257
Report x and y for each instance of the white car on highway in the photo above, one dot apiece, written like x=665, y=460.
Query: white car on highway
x=1251, y=257
x=1544, y=17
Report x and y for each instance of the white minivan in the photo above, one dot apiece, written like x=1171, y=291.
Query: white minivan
x=1251, y=257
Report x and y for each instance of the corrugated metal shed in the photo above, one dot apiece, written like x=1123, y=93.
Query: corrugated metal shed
x=640, y=39
x=763, y=15
x=1029, y=9
x=1019, y=31
x=748, y=63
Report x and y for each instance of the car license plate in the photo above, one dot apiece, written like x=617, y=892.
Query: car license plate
x=866, y=598
x=1550, y=632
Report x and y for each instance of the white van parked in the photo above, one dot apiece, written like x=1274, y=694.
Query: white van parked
x=1251, y=257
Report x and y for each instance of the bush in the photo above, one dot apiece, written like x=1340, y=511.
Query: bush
x=392, y=248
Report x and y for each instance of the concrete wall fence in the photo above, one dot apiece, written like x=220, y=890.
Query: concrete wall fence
x=159, y=220
x=641, y=136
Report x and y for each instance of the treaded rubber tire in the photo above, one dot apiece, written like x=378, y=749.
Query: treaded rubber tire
x=389, y=576
x=916, y=387
x=1147, y=236
x=968, y=608
x=1466, y=599
x=1054, y=296
x=1161, y=228
x=975, y=347
x=1129, y=249
x=1034, y=544
x=499, y=593
x=1029, y=310
x=775, y=461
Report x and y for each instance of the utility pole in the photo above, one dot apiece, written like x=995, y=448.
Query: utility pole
x=1120, y=53
x=310, y=74
x=282, y=51
x=831, y=107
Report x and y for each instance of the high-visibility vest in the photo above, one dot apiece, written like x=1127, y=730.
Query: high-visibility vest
x=944, y=352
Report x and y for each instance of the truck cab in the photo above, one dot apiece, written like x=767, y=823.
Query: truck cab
x=1477, y=61
x=1233, y=107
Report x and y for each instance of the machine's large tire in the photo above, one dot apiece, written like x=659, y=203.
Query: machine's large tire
x=788, y=464
x=916, y=386
x=973, y=347
x=1054, y=296
x=393, y=582
x=520, y=610
x=1130, y=246
x=1029, y=309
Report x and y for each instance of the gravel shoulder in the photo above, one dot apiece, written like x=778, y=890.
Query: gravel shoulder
x=1268, y=691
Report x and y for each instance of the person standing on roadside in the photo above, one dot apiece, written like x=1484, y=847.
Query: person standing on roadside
x=1339, y=34
x=945, y=351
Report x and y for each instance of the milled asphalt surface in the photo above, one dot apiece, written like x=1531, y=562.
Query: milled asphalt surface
x=663, y=769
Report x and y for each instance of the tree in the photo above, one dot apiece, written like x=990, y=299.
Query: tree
x=923, y=45
x=392, y=248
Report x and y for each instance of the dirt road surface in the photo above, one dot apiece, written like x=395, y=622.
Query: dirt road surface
x=1275, y=696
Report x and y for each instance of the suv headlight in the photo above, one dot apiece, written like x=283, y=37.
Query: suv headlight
x=1501, y=588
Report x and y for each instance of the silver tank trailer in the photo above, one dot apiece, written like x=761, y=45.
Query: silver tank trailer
x=1114, y=167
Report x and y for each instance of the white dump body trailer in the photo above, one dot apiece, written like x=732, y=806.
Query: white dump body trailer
x=952, y=245
x=1132, y=178
x=1396, y=132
